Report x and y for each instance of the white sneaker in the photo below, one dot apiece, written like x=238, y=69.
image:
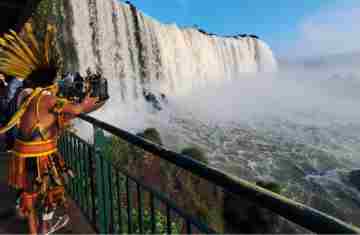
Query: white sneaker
x=60, y=223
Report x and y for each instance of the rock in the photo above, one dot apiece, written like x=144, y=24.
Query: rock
x=203, y=31
x=152, y=99
x=164, y=98
x=354, y=178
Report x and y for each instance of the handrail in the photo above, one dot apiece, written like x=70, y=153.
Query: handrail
x=303, y=215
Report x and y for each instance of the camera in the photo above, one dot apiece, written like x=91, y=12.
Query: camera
x=75, y=87
x=98, y=86
x=72, y=87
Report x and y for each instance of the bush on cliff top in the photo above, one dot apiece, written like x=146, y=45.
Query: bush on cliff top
x=196, y=154
x=152, y=135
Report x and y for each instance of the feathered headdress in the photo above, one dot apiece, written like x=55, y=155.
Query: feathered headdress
x=25, y=56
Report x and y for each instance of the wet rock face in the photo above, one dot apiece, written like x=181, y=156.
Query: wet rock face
x=244, y=217
x=135, y=51
x=153, y=100
x=354, y=178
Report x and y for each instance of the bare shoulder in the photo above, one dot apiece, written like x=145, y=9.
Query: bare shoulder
x=48, y=99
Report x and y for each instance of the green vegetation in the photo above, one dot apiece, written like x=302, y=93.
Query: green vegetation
x=160, y=223
x=42, y=16
x=195, y=153
x=118, y=151
x=53, y=12
x=272, y=186
x=151, y=134
x=194, y=195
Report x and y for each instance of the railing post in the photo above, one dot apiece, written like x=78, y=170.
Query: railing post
x=102, y=176
x=99, y=183
x=92, y=174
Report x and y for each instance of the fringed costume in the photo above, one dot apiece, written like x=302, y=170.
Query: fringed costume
x=36, y=168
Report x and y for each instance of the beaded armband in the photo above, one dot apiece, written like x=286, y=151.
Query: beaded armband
x=58, y=108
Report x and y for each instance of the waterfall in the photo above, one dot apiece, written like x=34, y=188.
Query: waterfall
x=134, y=51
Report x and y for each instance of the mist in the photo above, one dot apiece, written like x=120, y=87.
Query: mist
x=290, y=94
x=313, y=97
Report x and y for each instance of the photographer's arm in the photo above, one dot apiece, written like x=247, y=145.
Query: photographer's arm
x=71, y=110
x=88, y=105
x=91, y=105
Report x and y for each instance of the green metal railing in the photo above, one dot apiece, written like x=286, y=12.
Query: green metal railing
x=98, y=190
x=112, y=198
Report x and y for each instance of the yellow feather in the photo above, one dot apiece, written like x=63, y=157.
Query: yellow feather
x=25, y=47
x=16, y=52
x=14, y=62
x=2, y=42
x=10, y=56
x=24, y=50
x=23, y=70
x=47, y=43
x=13, y=46
x=21, y=56
x=9, y=69
x=30, y=35
x=15, y=65
x=34, y=46
x=11, y=73
x=8, y=37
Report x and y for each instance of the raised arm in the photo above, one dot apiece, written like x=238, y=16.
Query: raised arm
x=88, y=105
x=71, y=110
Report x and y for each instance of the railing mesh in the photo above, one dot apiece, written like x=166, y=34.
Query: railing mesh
x=115, y=195
x=123, y=188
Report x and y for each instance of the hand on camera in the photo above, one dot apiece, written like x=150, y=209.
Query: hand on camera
x=90, y=100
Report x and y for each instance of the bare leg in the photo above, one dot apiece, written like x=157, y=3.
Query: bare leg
x=45, y=227
x=32, y=222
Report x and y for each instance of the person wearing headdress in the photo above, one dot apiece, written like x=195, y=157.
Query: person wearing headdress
x=36, y=170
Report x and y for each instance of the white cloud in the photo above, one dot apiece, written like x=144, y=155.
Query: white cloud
x=330, y=31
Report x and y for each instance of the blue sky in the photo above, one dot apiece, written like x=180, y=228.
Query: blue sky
x=281, y=23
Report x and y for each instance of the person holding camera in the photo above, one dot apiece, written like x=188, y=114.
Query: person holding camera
x=36, y=170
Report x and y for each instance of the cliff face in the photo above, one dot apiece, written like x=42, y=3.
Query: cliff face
x=135, y=51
